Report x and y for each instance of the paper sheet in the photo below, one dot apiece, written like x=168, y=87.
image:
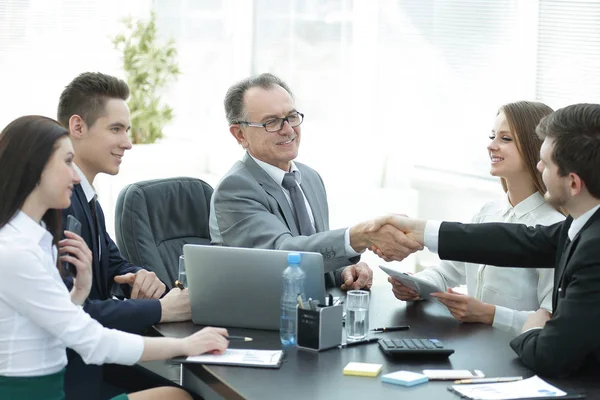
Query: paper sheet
x=527, y=388
x=263, y=358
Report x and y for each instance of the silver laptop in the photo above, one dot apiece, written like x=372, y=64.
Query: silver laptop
x=238, y=287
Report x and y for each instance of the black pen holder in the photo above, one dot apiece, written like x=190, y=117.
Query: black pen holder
x=319, y=329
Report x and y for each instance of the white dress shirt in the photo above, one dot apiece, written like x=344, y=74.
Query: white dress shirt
x=516, y=292
x=578, y=223
x=37, y=318
x=277, y=174
x=89, y=191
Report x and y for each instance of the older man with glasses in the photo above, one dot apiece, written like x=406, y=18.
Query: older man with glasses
x=268, y=201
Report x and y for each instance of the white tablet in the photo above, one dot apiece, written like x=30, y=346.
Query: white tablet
x=423, y=287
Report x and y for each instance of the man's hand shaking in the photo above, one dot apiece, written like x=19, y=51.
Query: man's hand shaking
x=392, y=237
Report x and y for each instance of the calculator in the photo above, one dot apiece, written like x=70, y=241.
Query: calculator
x=421, y=348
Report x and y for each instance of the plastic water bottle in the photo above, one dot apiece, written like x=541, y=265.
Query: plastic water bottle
x=293, y=285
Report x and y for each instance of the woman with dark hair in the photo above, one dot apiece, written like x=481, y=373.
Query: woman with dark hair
x=39, y=318
x=502, y=297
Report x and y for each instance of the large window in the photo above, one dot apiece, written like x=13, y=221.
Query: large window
x=46, y=43
x=568, y=52
x=384, y=84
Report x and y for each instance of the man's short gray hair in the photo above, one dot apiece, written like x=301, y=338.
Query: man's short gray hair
x=234, y=99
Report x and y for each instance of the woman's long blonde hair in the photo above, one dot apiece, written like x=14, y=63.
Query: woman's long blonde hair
x=522, y=118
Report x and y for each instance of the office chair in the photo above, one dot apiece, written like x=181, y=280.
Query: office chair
x=155, y=218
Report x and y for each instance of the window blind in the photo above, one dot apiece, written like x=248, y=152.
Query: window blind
x=568, y=52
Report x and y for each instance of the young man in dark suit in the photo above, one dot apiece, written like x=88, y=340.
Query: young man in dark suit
x=93, y=107
x=565, y=342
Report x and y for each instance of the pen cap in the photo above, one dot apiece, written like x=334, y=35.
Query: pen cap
x=294, y=259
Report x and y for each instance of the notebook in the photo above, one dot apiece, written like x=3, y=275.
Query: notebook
x=531, y=388
x=404, y=378
x=239, y=357
x=362, y=369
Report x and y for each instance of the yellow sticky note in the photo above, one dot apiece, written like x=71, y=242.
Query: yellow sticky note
x=362, y=369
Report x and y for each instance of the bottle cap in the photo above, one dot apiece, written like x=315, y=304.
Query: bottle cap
x=294, y=258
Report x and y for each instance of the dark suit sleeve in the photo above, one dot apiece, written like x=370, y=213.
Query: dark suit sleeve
x=561, y=348
x=117, y=265
x=500, y=244
x=133, y=316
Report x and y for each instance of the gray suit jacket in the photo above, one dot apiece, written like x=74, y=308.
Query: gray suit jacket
x=249, y=209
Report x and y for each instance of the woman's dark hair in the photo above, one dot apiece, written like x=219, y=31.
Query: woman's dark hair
x=26, y=145
x=575, y=131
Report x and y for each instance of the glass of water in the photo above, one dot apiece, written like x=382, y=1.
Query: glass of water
x=182, y=277
x=357, y=315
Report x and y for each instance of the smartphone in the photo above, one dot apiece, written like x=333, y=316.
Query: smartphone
x=73, y=225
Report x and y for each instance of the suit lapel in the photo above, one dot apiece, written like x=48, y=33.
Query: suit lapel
x=104, y=284
x=93, y=234
x=274, y=190
x=562, y=267
x=569, y=249
x=86, y=210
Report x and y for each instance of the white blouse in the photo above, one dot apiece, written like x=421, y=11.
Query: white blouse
x=37, y=318
x=516, y=292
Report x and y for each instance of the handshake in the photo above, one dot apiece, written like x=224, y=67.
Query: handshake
x=392, y=237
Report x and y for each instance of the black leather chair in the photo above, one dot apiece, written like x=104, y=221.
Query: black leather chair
x=155, y=218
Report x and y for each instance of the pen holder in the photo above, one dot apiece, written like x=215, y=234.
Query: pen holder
x=319, y=329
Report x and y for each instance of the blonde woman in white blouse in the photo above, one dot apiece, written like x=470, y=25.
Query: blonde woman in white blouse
x=39, y=318
x=502, y=297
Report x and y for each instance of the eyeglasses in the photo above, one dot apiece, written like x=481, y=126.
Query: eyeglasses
x=276, y=124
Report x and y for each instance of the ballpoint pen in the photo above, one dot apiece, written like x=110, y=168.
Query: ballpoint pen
x=391, y=329
x=489, y=380
x=242, y=338
x=359, y=342
x=179, y=285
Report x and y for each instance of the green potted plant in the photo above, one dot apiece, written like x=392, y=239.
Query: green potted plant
x=150, y=65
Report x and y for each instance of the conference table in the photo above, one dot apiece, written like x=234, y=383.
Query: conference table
x=318, y=375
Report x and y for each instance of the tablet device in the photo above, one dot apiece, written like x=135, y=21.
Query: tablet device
x=421, y=286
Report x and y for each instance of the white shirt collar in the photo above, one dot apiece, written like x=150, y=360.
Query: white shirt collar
x=526, y=206
x=28, y=227
x=277, y=174
x=89, y=191
x=578, y=223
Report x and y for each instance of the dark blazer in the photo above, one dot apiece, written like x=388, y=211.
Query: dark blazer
x=570, y=342
x=84, y=381
x=249, y=209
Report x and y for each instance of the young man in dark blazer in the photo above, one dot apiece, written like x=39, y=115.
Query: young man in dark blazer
x=93, y=107
x=565, y=342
